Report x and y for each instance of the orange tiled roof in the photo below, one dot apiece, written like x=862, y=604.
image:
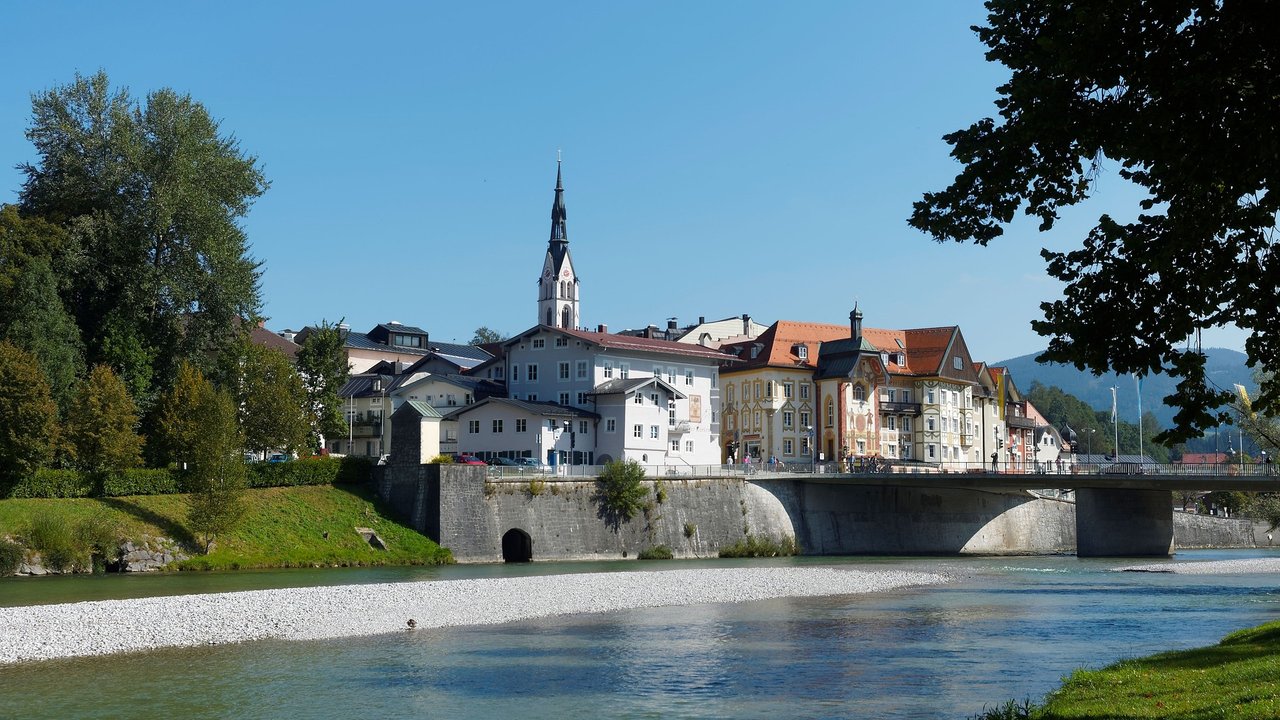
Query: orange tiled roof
x=631, y=342
x=923, y=348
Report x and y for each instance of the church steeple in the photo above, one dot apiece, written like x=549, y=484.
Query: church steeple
x=558, y=286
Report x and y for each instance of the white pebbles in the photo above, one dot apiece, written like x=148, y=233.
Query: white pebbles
x=1211, y=567
x=112, y=626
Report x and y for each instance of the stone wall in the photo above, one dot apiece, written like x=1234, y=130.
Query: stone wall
x=1206, y=531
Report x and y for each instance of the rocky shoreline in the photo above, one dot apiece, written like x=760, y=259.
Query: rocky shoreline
x=45, y=632
x=1210, y=567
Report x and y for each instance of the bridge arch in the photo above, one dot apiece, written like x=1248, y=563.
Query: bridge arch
x=517, y=546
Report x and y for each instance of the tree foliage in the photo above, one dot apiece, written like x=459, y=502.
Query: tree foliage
x=485, y=334
x=216, y=481
x=102, y=428
x=322, y=363
x=1093, y=428
x=28, y=415
x=272, y=401
x=177, y=420
x=1181, y=95
x=151, y=194
x=620, y=491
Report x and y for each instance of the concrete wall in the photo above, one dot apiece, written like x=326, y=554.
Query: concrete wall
x=456, y=506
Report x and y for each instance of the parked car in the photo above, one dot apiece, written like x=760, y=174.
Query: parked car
x=505, y=462
x=468, y=460
x=531, y=464
x=278, y=458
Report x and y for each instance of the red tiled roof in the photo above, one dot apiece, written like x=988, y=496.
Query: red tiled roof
x=639, y=344
x=266, y=338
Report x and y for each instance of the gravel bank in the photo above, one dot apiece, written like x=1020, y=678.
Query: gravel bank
x=113, y=626
x=1211, y=567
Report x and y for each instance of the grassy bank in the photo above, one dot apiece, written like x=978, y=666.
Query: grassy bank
x=1237, y=678
x=284, y=527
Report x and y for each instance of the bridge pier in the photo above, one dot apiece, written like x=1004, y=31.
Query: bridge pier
x=1122, y=522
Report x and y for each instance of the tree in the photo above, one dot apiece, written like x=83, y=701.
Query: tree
x=272, y=401
x=178, y=421
x=102, y=428
x=484, y=334
x=28, y=415
x=621, y=492
x=216, y=481
x=322, y=363
x=1181, y=95
x=151, y=194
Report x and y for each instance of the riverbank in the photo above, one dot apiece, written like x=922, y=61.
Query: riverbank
x=116, y=626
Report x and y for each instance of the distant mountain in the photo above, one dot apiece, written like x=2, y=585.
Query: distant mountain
x=1225, y=369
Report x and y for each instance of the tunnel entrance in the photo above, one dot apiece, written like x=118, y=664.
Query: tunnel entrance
x=517, y=546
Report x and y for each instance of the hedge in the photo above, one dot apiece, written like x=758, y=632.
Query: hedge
x=46, y=483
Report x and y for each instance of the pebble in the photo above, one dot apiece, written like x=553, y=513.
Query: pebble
x=1210, y=567
x=45, y=632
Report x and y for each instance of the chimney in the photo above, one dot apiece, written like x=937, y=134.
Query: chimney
x=746, y=324
x=651, y=332
x=672, y=329
x=602, y=328
x=855, y=323
x=702, y=319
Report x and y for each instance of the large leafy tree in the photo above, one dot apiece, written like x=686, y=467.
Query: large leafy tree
x=152, y=193
x=322, y=363
x=216, y=481
x=102, y=428
x=485, y=334
x=28, y=415
x=177, y=417
x=272, y=401
x=1182, y=96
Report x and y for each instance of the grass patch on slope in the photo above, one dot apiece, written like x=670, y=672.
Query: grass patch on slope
x=1237, y=678
x=284, y=527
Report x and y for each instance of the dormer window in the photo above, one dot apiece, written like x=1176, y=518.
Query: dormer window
x=802, y=351
x=755, y=351
x=402, y=340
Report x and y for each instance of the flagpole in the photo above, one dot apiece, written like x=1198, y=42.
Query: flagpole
x=1115, y=423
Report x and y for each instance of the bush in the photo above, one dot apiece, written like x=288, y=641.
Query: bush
x=536, y=487
x=310, y=471
x=99, y=538
x=441, y=459
x=690, y=530
x=659, y=491
x=657, y=552
x=11, y=556
x=620, y=491
x=756, y=546
x=53, y=540
x=140, y=481
x=46, y=483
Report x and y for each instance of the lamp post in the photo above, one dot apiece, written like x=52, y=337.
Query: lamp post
x=808, y=433
x=1089, y=444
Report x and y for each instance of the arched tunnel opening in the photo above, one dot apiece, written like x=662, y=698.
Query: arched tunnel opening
x=517, y=546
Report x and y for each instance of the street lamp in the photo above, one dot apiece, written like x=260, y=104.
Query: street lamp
x=1089, y=443
x=808, y=433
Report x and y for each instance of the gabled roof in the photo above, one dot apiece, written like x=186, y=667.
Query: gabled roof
x=545, y=409
x=624, y=387
x=395, y=327
x=418, y=407
x=777, y=345
x=362, y=385
x=264, y=337
x=627, y=343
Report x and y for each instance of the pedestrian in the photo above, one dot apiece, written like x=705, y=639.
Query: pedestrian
x=995, y=457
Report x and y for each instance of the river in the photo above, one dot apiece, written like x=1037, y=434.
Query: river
x=1008, y=628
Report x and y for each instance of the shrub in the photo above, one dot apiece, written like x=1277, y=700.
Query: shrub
x=52, y=538
x=441, y=459
x=536, y=487
x=139, y=481
x=1011, y=710
x=99, y=538
x=11, y=556
x=620, y=491
x=756, y=546
x=659, y=491
x=657, y=552
x=46, y=483
x=690, y=530
x=310, y=471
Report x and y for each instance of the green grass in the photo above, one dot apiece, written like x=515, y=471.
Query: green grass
x=759, y=546
x=1237, y=678
x=284, y=527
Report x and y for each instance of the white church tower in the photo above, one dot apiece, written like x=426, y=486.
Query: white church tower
x=558, y=286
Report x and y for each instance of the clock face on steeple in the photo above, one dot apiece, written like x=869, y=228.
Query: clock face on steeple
x=565, y=274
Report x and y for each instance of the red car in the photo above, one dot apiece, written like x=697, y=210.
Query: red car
x=469, y=460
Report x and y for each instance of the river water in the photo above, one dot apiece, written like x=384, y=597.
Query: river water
x=1008, y=628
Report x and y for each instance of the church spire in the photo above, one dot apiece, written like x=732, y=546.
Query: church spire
x=558, y=231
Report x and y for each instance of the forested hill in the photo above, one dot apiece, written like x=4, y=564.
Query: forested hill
x=1225, y=368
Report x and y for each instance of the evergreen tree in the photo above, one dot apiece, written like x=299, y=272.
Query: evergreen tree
x=28, y=415
x=322, y=363
x=102, y=428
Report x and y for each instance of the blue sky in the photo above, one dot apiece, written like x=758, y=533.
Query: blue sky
x=719, y=158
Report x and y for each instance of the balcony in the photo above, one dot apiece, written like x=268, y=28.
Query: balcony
x=680, y=428
x=1016, y=421
x=892, y=407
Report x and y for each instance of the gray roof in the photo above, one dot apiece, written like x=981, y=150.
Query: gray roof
x=620, y=386
x=419, y=407
x=362, y=385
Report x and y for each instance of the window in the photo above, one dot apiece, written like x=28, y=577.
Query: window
x=788, y=390
x=582, y=398
x=804, y=420
x=804, y=445
x=657, y=372
x=671, y=376
x=522, y=425
x=653, y=432
x=728, y=393
x=497, y=425
x=932, y=451
x=582, y=369
x=637, y=431
x=532, y=374
x=757, y=425
x=906, y=396
x=582, y=427
x=624, y=371
x=891, y=395
x=688, y=377
x=562, y=342
x=639, y=399
x=473, y=426
x=563, y=368
x=654, y=398
x=671, y=415
x=688, y=446
x=539, y=343
x=891, y=423
x=408, y=340
x=804, y=391
x=728, y=422
x=768, y=391
x=957, y=362
x=788, y=419
x=906, y=450
x=788, y=446
x=859, y=394
x=610, y=425
x=608, y=369
x=862, y=447
x=715, y=379
x=515, y=373
x=928, y=396
x=675, y=445
x=564, y=398
x=831, y=413
x=802, y=352
x=533, y=397
x=928, y=424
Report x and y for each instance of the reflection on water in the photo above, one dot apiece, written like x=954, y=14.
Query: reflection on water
x=1008, y=628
